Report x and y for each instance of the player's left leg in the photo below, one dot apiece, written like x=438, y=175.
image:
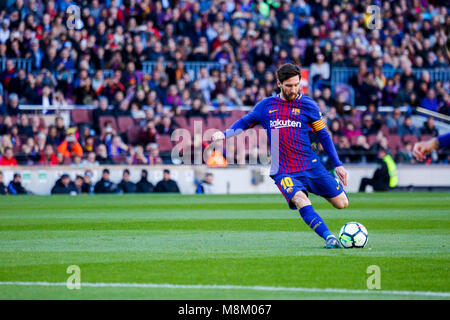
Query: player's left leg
x=313, y=220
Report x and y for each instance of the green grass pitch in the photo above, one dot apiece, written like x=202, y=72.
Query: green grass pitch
x=242, y=241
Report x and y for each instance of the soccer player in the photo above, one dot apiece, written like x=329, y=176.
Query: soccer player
x=423, y=148
x=295, y=168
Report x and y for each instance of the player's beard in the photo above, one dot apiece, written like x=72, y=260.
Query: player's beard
x=289, y=97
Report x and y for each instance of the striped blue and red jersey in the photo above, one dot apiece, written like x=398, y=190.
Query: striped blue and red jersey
x=288, y=124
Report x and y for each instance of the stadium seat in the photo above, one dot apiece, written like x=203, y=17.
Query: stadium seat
x=371, y=139
x=342, y=123
x=384, y=130
x=193, y=120
x=104, y=119
x=353, y=140
x=81, y=116
x=426, y=137
x=238, y=113
x=120, y=159
x=16, y=148
x=394, y=143
x=124, y=122
x=181, y=121
x=67, y=161
x=164, y=142
x=235, y=116
x=393, y=130
x=335, y=139
x=134, y=134
x=216, y=123
x=410, y=138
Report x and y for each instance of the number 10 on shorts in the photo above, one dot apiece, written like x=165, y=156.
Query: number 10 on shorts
x=287, y=182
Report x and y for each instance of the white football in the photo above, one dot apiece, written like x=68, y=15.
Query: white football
x=353, y=235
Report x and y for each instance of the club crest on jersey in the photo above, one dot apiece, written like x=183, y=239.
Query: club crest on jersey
x=277, y=124
x=295, y=111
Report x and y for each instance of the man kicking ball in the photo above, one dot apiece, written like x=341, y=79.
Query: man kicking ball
x=295, y=168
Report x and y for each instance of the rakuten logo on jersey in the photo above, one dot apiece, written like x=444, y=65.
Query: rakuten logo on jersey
x=277, y=124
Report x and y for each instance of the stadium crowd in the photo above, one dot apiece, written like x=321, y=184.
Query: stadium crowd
x=248, y=39
x=86, y=185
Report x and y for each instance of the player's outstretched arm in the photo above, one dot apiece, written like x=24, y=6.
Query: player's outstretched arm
x=424, y=148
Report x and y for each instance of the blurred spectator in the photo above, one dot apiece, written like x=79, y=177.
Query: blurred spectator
x=15, y=185
x=368, y=126
x=335, y=128
x=430, y=102
x=206, y=186
x=117, y=147
x=64, y=186
x=101, y=111
x=350, y=131
x=405, y=154
x=102, y=155
x=48, y=157
x=78, y=184
x=360, y=148
x=166, y=126
x=76, y=161
x=195, y=110
x=444, y=107
x=395, y=119
x=3, y=188
x=320, y=70
x=408, y=128
x=53, y=138
x=104, y=185
x=70, y=146
x=13, y=105
x=87, y=186
x=143, y=185
x=167, y=185
x=18, y=83
x=90, y=160
x=137, y=156
x=26, y=156
x=126, y=186
x=153, y=156
x=381, y=180
x=429, y=128
x=7, y=158
x=222, y=112
x=61, y=128
x=344, y=149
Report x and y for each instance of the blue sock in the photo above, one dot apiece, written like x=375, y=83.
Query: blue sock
x=314, y=221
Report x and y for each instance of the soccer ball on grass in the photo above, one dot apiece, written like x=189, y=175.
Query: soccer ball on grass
x=353, y=235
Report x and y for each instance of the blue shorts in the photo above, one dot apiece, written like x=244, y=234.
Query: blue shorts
x=317, y=180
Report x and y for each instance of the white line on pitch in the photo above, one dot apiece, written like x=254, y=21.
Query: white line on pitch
x=226, y=287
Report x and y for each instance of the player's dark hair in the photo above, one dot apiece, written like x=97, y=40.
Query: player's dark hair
x=288, y=70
